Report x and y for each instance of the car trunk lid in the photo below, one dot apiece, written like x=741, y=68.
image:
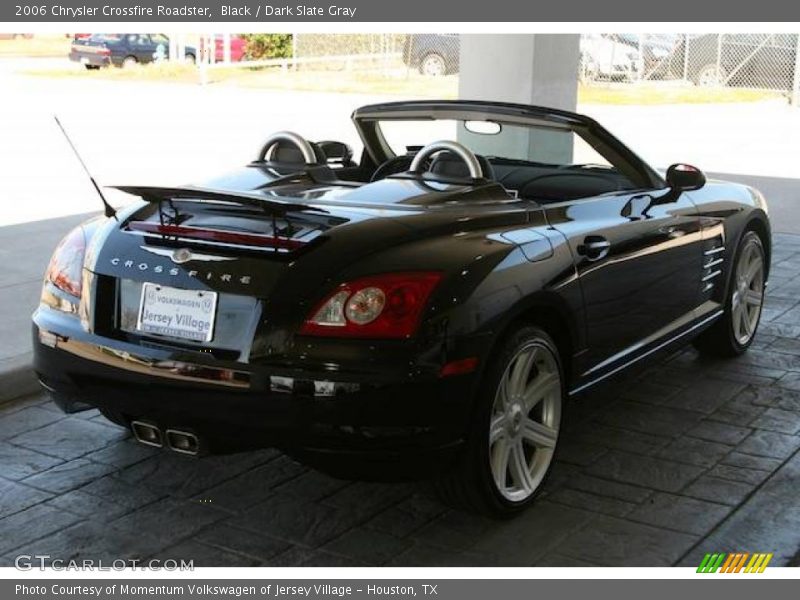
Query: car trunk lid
x=260, y=257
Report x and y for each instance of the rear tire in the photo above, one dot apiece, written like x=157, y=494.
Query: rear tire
x=733, y=334
x=129, y=61
x=514, y=431
x=67, y=402
x=115, y=417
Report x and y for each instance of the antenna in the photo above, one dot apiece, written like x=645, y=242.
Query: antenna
x=107, y=208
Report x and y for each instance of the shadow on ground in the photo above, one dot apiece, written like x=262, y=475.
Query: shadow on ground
x=685, y=458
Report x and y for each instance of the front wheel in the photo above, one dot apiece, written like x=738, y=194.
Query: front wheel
x=514, y=431
x=433, y=65
x=734, y=332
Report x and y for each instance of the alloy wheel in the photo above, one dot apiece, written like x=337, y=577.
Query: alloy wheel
x=748, y=292
x=525, y=420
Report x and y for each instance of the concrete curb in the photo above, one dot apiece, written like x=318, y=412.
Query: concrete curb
x=17, y=378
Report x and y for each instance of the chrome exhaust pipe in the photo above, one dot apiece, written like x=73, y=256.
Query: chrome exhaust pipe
x=183, y=442
x=147, y=434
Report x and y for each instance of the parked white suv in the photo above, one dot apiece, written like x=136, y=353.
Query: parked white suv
x=604, y=57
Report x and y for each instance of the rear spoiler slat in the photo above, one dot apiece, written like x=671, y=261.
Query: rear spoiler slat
x=160, y=194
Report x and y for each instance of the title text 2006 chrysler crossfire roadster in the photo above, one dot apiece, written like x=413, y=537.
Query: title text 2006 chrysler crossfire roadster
x=425, y=311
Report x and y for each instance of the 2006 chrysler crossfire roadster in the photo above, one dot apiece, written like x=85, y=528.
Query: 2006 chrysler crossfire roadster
x=425, y=310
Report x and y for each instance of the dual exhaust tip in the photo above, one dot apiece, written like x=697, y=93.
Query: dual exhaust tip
x=183, y=442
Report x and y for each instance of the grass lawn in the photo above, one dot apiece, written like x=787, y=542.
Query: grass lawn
x=659, y=93
x=44, y=45
x=398, y=81
x=160, y=73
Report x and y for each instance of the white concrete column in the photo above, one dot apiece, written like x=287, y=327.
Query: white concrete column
x=226, y=48
x=537, y=69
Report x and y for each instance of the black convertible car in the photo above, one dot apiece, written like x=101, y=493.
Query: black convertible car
x=428, y=310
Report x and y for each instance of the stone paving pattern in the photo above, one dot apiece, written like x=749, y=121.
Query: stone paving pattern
x=689, y=456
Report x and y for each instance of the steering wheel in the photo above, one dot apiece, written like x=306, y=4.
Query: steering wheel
x=293, y=138
x=460, y=150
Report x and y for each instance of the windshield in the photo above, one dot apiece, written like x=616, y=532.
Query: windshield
x=539, y=145
x=106, y=37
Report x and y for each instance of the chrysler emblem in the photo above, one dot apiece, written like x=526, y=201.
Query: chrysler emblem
x=184, y=255
x=181, y=255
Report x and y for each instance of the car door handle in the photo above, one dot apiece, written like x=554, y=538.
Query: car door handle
x=672, y=231
x=594, y=247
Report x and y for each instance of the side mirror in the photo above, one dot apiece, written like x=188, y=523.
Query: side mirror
x=685, y=178
x=337, y=153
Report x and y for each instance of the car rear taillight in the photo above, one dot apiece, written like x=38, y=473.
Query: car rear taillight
x=383, y=306
x=66, y=265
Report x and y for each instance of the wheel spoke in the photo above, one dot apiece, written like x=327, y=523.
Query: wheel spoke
x=539, y=389
x=538, y=434
x=503, y=392
x=497, y=429
x=746, y=322
x=501, y=455
x=753, y=268
x=520, y=471
x=738, y=311
x=753, y=297
x=520, y=372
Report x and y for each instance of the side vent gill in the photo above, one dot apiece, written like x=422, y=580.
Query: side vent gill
x=713, y=259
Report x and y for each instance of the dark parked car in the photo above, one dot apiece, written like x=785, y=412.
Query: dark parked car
x=433, y=54
x=429, y=311
x=757, y=60
x=122, y=49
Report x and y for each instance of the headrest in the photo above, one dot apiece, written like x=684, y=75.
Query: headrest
x=448, y=164
x=286, y=153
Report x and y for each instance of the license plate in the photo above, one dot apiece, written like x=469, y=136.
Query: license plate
x=187, y=314
x=84, y=60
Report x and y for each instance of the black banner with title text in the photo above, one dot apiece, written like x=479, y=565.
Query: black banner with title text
x=253, y=11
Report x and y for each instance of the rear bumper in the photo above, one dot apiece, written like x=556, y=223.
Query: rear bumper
x=87, y=58
x=345, y=425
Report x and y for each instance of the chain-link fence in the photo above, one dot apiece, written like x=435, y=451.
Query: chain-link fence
x=386, y=54
x=705, y=65
x=377, y=53
x=755, y=61
x=394, y=55
x=424, y=65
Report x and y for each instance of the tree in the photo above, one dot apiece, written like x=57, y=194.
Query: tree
x=268, y=45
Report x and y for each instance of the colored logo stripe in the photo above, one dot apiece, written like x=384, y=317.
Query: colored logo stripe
x=758, y=563
x=734, y=562
x=710, y=563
